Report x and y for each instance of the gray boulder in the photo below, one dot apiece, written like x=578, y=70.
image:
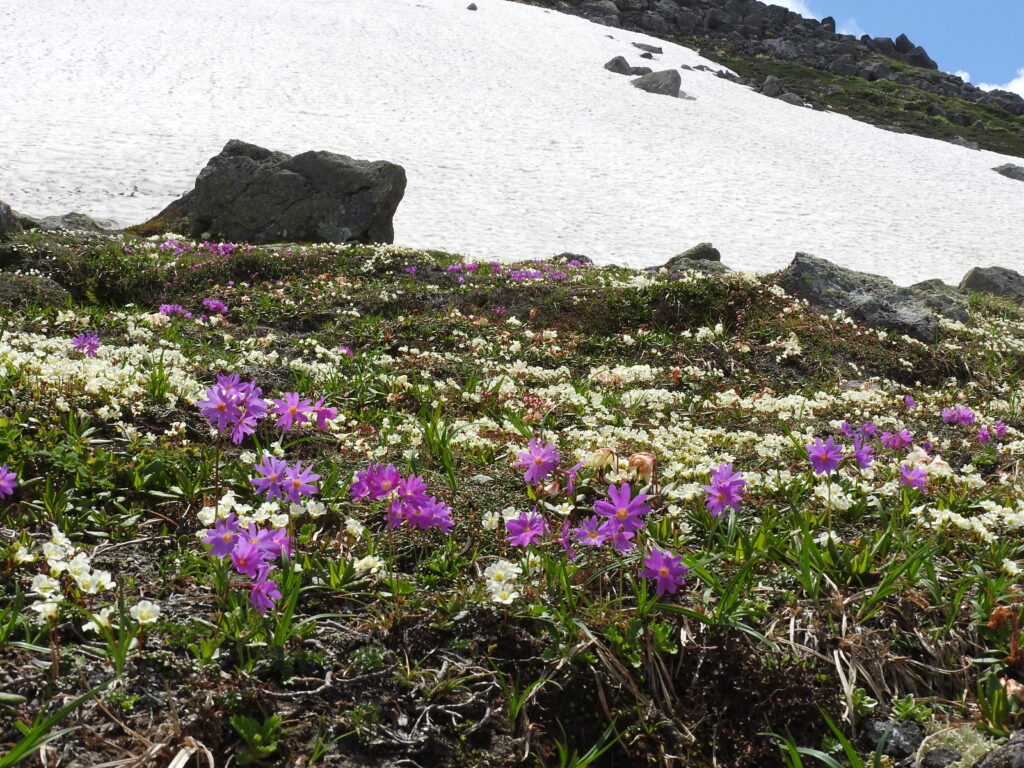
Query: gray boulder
x=772, y=87
x=9, y=222
x=619, y=66
x=703, y=257
x=901, y=738
x=638, y=71
x=602, y=11
x=997, y=281
x=792, y=98
x=251, y=194
x=666, y=82
x=940, y=757
x=944, y=299
x=872, y=300
x=1005, y=756
x=648, y=48
x=920, y=58
x=76, y=222
x=31, y=290
x=1010, y=171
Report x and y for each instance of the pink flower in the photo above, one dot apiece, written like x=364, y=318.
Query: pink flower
x=291, y=409
x=273, y=471
x=914, y=477
x=539, y=459
x=86, y=343
x=298, y=482
x=525, y=528
x=247, y=558
x=222, y=537
x=726, y=490
x=666, y=568
x=623, y=511
x=824, y=456
x=8, y=481
x=323, y=414
x=264, y=591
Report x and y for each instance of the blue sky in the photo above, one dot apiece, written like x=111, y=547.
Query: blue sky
x=979, y=40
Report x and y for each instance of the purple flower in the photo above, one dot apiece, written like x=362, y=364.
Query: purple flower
x=247, y=558
x=824, y=456
x=215, y=306
x=8, y=481
x=999, y=429
x=345, y=350
x=984, y=435
x=219, y=407
x=623, y=511
x=270, y=541
x=539, y=460
x=589, y=532
x=174, y=309
x=411, y=270
x=666, y=568
x=86, y=343
x=525, y=528
x=323, y=414
x=726, y=490
x=909, y=401
x=291, y=409
x=273, y=471
x=412, y=491
x=847, y=430
x=383, y=482
x=958, y=414
x=298, y=482
x=222, y=537
x=869, y=428
x=620, y=538
x=900, y=439
x=570, y=477
x=864, y=454
x=914, y=477
x=430, y=513
x=264, y=591
x=565, y=540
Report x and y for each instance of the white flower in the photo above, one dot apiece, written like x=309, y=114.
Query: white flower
x=502, y=571
x=47, y=610
x=370, y=564
x=78, y=565
x=22, y=555
x=1010, y=567
x=490, y=520
x=145, y=612
x=99, y=620
x=504, y=594
x=44, y=586
x=96, y=582
x=354, y=528
x=315, y=509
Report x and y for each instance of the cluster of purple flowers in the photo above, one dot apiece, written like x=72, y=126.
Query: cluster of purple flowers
x=235, y=403
x=958, y=414
x=174, y=309
x=86, y=343
x=251, y=551
x=240, y=405
x=914, y=477
x=407, y=497
x=176, y=248
x=616, y=521
x=215, y=306
x=725, y=490
x=8, y=481
x=278, y=480
x=896, y=440
x=540, y=459
x=824, y=456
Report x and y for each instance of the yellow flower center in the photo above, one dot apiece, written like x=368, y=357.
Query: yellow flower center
x=663, y=572
x=272, y=477
x=292, y=410
x=385, y=485
x=538, y=460
x=222, y=406
x=228, y=537
x=622, y=513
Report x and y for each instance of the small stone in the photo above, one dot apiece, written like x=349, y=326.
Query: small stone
x=471, y=7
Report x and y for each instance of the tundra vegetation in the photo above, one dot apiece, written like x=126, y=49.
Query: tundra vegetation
x=370, y=505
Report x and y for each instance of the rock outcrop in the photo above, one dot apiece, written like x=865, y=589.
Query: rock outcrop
x=666, y=82
x=251, y=194
x=1010, y=171
x=996, y=281
x=9, y=222
x=703, y=257
x=873, y=300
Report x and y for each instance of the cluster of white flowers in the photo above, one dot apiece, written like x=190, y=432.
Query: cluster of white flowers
x=500, y=580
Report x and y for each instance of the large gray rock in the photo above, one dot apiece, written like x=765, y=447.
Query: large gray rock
x=792, y=98
x=619, y=66
x=76, y=222
x=901, y=738
x=772, y=87
x=944, y=299
x=1005, y=756
x=703, y=257
x=666, y=82
x=9, y=223
x=255, y=195
x=998, y=281
x=31, y=290
x=1010, y=171
x=869, y=299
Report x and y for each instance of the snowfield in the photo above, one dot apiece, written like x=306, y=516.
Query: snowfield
x=516, y=142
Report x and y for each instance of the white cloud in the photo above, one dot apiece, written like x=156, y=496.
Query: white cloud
x=850, y=27
x=1016, y=85
x=799, y=6
x=965, y=76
